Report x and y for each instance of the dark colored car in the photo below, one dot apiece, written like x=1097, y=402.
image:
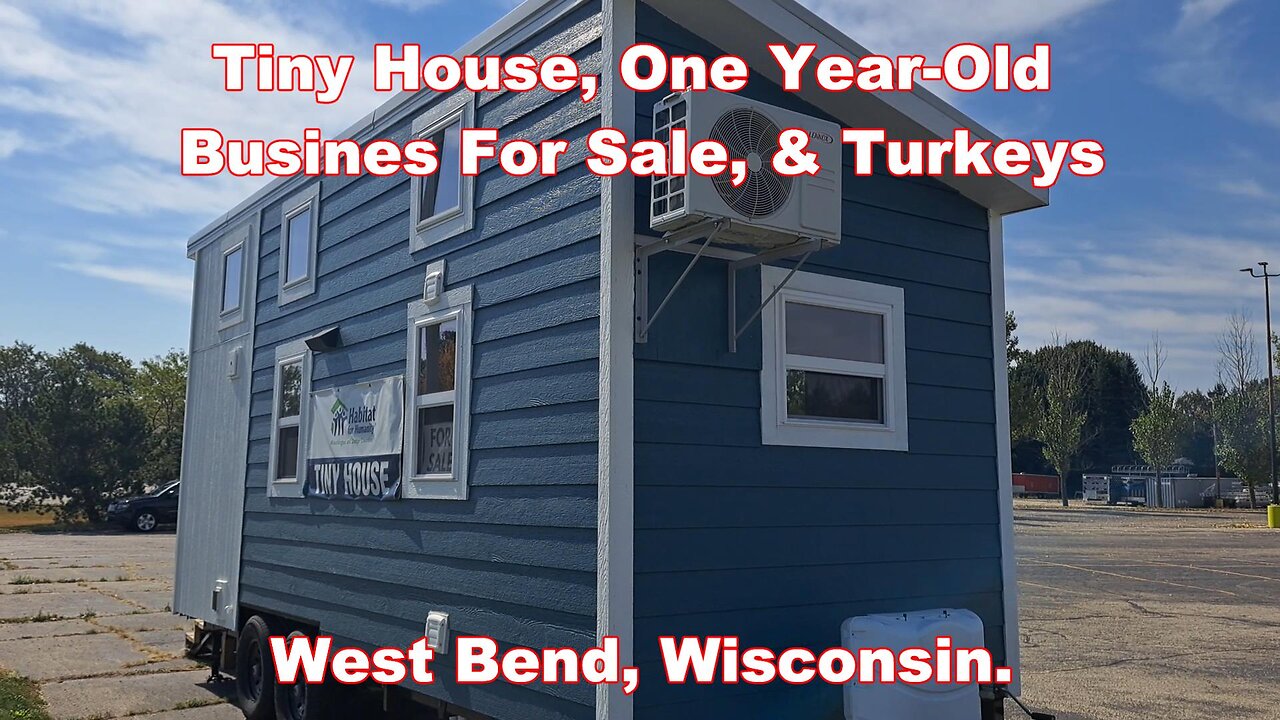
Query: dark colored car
x=145, y=512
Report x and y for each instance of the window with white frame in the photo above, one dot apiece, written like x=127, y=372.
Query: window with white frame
x=834, y=363
x=437, y=429
x=299, y=231
x=232, y=279
x=441, y=203
x=230, y=285
x=289, y=408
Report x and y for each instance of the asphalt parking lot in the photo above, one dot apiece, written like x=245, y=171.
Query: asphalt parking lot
x=1136, y=614
x=87, y=617
x=1125, y=614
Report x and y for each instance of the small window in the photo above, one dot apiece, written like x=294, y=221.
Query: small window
x=441, y=203
x=834, y=363
x=438, y=397
x=232, y=279
x=226, y=275
x=289, y=417
x=291, y=390
x=297, y=252
x=299, y=228
x=441, y=191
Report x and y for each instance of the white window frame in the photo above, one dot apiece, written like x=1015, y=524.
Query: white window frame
x=425, y=232
x=238, y=241
x=287, y=354
x=829, y=291
x=308, y=199
x=452, y=305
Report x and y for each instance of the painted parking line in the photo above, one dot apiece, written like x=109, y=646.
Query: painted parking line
x=1132, y=577
x=1055, y=589
x=1208, y=569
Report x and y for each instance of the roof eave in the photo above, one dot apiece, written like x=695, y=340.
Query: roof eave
x=747, y=27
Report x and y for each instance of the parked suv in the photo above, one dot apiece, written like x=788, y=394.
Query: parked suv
x=145, y=512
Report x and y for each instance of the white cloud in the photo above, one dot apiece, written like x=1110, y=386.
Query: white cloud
x=1195, y=14
x=1204, y=62
x=153, y=265
x=122, y=102
x=11, y=141
x=158, y=282
x=1246, y=188
x=1119, y=288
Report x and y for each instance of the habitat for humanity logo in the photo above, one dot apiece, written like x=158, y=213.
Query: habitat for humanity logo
x=352, y=421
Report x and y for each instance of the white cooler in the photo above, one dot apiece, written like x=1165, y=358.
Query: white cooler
x=900, y=701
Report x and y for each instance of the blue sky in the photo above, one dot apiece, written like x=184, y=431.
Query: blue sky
x=94, y=215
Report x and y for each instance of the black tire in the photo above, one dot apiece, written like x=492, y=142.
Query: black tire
x=255, y=675
x=300, y=701
x=144, y=521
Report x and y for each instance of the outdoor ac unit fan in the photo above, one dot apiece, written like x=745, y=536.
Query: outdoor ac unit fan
x=750, y=134
x=768, y=209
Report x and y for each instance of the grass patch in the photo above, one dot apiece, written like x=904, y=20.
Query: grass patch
x=41, y=616
x=199, y=703
x=20, y=699
x=28, y=580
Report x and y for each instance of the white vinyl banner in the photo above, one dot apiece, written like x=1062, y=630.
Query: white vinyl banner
x=356, y=441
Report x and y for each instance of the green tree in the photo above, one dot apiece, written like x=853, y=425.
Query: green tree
x=1113, y=394
x=1243, y=444
x=1243, y=425
x=1011, y=339
x=1197, y=407
x=160, y=392
x=1061, y=417
x=20, y=369
x=82, y=438
x=1160, y=431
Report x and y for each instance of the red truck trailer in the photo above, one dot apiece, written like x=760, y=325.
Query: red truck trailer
x=1028, y=485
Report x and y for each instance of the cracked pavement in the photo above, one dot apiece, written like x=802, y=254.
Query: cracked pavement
x=1124, y=614
x=86, y=615
x=1142, y=614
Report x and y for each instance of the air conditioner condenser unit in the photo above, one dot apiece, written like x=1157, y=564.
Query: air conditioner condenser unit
x=768, y=209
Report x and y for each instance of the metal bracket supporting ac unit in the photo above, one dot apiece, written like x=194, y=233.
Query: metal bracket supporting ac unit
x=672, y=240
x=803, y=247
x=709, y=229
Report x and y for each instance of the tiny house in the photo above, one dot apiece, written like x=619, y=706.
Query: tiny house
x=553, y=409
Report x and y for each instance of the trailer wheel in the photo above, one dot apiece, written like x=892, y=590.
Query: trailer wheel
x=300, y=700
x=255, y=676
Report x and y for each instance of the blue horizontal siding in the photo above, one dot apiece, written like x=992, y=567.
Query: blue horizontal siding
x=778, y=545
x=517, y=559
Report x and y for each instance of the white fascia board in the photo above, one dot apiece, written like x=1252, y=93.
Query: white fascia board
x=1004, y=463
x=746, y=27
x=615, y=502
x=531, y=14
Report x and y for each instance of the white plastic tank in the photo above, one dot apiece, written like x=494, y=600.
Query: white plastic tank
x=902, y=701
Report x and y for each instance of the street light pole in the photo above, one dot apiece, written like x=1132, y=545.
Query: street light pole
x=1273, y=512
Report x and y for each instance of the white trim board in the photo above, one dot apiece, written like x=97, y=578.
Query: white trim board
x=286, y=353
x=455, y=304
x=888, y=301
x=615, y=552
x=1004, y=462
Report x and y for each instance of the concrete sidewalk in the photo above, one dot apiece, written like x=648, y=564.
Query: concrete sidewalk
x=86, y=615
